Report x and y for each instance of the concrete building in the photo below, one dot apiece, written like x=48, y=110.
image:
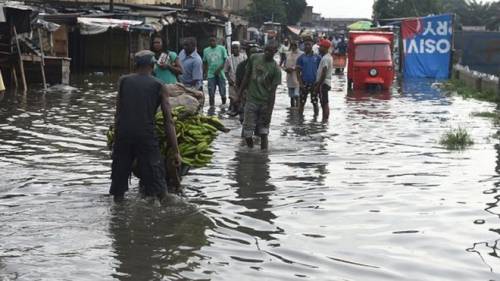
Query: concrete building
x=307, y=17
x=137, y=2
x=336, y=25
x=233, y=6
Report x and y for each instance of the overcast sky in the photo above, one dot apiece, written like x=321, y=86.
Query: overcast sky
x=345, y=9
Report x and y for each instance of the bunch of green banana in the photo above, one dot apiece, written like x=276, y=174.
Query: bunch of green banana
x=195, y=135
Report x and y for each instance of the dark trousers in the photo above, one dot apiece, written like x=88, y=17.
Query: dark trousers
x=151, y=167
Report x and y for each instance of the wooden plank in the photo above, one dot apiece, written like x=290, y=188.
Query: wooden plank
x=42, y=59
x=21, y=63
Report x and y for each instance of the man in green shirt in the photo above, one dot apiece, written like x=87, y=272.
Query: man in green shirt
x=214, y=58
x=262, y=78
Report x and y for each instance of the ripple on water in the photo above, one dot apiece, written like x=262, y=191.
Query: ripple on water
x=369, y=196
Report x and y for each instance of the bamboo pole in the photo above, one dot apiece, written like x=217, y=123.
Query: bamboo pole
x=14, y=76
x=42, y=59
x=21, y=63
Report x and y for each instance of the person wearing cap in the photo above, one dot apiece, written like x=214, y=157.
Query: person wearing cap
x=139, y=96
x=307, y=68
x=214, y=58
x=262, y=77
x=291, y=74
x=240, y=75
x=230, y=67
x=324, y=77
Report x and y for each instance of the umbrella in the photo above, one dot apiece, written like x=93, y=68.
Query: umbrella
x=360, y=25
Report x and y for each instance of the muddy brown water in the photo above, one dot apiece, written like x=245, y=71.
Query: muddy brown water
x=369, y=196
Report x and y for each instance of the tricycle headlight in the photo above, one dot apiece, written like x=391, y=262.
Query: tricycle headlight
x=373, y=72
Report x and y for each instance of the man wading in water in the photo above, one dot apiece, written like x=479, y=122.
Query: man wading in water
x=262, y=78
x=307, y=68
x=139, y=96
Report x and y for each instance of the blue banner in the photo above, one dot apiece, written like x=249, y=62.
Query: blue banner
x=427, y=46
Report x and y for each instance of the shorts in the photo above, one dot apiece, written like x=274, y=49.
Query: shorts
x=294, y=92
x=323, y=94
x=233, y=92
x=256, y=119
x=308, y=89
x=150, y=163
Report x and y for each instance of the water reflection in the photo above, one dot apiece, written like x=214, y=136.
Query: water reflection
x=422, y=89
x=372, y=187
x=251, y=173
x=156, y=243
x=362, y=96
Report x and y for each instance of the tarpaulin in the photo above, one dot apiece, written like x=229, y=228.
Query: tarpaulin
x=427, y=46
x=480, y=50
x=49, y=26
x=294, y=30
x=92, y=26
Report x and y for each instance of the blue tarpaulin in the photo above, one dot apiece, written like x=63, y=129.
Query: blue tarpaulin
x=427, y=46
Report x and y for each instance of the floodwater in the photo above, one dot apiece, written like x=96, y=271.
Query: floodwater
x=369, y=196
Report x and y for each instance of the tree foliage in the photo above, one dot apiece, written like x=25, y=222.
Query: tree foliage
x=294, y=10
x=468, y=12
x=283, y=11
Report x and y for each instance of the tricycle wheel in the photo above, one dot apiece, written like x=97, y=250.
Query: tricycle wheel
x=349, y=84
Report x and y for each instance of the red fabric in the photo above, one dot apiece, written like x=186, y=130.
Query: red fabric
x=411, y=27
x=325, y=43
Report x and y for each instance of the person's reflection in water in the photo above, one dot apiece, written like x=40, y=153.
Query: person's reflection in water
x=252, y=180
x=156, y=244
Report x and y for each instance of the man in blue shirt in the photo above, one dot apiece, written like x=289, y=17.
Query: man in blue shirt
x=307, y=67
x=192, y=65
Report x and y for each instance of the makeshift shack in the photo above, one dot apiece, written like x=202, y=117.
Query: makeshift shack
x=22, y=59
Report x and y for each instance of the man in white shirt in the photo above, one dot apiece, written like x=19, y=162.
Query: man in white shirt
x=283, y=50
x=324, y=77
x=316, y=47
x=230, y=69
x=291, y=74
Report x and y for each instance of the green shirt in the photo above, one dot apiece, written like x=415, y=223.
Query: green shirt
x=215, y=57
x=264, y=76
x=165, y=75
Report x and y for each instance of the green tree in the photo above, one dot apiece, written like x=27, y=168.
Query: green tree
x=294, y=10
x=283, y=11
x=261, y=11
x=405, y=8
x=468, y=12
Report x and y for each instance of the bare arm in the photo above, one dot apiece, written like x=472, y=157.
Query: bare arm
x=322, y=78
x=205, y=69
x=219, y=69
x=117, y=105
x=299, y=76
x=244, y=83
x=176, y=67
x=271, y=101
x=169, y=123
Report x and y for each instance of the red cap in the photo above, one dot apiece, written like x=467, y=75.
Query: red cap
x=325, y=43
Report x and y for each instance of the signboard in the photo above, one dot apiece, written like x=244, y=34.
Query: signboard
x=427, y=46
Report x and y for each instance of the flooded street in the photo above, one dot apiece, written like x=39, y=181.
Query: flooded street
x=369, y=196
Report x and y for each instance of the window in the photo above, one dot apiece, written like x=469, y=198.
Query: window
x=373, y=52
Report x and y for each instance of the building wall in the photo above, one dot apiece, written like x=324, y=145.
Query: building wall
x=337, y=24
x=307, y=17
x=239, y=5
x=142, y=2
x=226, y=5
